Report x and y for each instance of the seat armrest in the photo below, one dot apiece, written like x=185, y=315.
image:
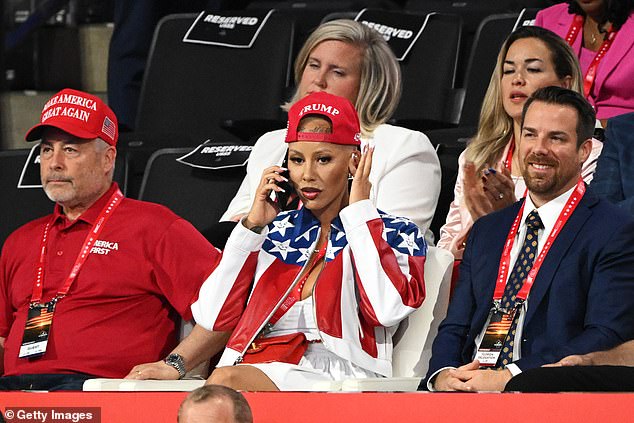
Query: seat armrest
x=325, y=386
x=104, y=384
x=382, y=384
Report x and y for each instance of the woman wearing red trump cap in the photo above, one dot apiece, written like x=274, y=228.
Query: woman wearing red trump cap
x=346, y=58
x=313, y=294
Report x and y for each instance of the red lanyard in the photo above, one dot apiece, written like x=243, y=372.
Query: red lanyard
x=591, y=74
x=571, y=205
x=92, y=236
x=296, y=293
x=508, y=163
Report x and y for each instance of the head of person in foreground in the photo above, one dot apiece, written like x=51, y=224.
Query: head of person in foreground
x=215, y=403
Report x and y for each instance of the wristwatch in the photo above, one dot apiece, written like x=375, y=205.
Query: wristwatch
x=177, y=362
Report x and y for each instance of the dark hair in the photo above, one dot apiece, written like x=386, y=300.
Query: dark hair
x=562, y=96
x=558, y=49
x=616, y=11
x=241, y=410
x=301, y=126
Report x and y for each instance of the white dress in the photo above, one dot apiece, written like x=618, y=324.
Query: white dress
x=318, y=364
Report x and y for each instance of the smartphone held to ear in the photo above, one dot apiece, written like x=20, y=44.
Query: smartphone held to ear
x=285, y=200
x=282, y=198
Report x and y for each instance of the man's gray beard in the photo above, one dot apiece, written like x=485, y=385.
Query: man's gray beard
x=58, y=198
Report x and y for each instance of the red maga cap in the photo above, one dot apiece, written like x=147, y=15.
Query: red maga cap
x=80, y=114
x=338, y=110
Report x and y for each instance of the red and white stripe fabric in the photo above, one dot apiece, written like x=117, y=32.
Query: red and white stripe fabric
x=372, y=279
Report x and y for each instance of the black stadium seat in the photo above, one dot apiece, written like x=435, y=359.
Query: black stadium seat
x=19, y=206
x=429, y=73
x=306, y=15
x=428, y=70
x=527, y=17
x=199, y=195
x=190, y=90
x=449, y=143
x=472, y=13
x=489, y=37
x=195, y=92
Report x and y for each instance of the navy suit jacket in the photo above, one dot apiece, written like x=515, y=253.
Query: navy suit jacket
x=614, y=178
x=582, y=299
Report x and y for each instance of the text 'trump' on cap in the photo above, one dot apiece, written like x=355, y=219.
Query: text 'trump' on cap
x=340, y=111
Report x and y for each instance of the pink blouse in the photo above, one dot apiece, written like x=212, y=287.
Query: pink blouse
x=613, y=91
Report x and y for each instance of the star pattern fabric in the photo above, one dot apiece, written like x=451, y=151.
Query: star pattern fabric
x=283, y=248
x=292, y=236
x=523, y=265
x=281, y=225
x=409, y=243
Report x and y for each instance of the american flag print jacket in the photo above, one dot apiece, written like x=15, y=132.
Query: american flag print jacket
x=371, y=280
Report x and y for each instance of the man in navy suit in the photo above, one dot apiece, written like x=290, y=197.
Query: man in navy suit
x=611, y=370
x=581, y=298
x=614, y=178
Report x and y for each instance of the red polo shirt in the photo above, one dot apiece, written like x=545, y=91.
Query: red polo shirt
x=123, y=308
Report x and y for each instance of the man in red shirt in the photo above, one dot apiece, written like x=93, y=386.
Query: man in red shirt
x=101, y=284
